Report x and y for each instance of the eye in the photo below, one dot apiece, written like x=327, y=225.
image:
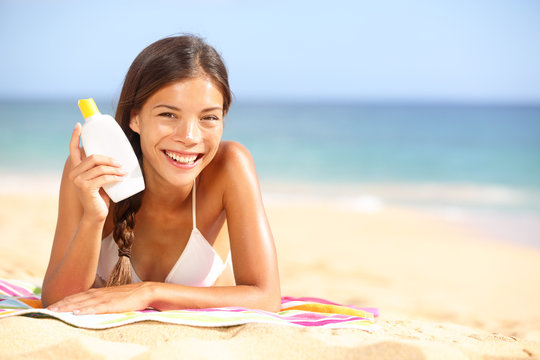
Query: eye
x=211, y=118
x=167, y=115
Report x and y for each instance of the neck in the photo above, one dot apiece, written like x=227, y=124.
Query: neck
x=166, y=198
x=162, y=197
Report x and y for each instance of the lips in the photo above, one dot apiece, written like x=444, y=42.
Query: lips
x=183, y=159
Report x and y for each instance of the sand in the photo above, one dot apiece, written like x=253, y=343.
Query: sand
x=444, y=290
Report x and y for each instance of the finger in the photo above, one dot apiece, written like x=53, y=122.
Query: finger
x=97, y=159
x=84, y=303
x=71, y=303
x=92, y=162
x=99, y=176
x=63, y=306
x=74, y=151
x=101, y=181
x=102, y=170
x=93, y=186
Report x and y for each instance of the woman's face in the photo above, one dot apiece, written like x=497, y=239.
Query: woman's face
x=180, y=127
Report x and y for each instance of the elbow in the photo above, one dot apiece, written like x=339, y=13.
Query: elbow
x=48, y=295
x=46, y=298
x=271, y=300
x=45, y=302
x=52, y=291
x=274, y=306
x=45, y=294
x=259, y=297
x=267, y=295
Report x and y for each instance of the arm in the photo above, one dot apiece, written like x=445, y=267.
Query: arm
x=252, y=249
x=82, y=212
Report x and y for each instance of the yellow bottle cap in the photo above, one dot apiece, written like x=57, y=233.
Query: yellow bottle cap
x=88, y=107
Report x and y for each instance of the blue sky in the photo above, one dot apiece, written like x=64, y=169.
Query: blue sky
x=388, y=50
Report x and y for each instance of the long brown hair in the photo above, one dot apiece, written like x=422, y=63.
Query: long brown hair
x=164, y=62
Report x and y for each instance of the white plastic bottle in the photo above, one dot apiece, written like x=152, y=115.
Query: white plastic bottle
x=102, y=135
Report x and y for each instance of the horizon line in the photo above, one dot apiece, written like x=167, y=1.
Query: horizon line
x=314, y=101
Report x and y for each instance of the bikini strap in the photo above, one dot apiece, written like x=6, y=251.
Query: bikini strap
x=194, y=204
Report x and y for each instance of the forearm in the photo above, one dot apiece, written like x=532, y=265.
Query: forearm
x=163, y=296
x=77, y=270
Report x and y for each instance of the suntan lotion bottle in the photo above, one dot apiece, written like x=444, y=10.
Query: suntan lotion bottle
x=102, y=135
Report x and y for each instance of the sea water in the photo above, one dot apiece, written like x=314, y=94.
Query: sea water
x=455, y=160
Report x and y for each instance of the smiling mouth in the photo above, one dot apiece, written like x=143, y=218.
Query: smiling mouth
x=184, y=159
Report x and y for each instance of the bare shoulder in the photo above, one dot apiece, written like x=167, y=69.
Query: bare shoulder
x=232, y=150
x=232, y=170
x=233, y=158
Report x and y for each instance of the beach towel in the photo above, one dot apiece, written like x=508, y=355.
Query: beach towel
x=23, y=298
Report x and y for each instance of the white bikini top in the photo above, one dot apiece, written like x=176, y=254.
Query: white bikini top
x=198, y=265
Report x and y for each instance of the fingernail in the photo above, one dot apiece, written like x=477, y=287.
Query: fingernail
x=76, y=312
x=54, y=308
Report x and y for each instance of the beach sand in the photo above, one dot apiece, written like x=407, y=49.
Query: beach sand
x=443, y=289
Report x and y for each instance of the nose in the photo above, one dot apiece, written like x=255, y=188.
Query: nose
x=187, y=131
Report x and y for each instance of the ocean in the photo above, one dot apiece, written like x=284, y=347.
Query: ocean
x=454, y=160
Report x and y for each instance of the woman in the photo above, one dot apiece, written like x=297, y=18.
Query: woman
x=167, y=247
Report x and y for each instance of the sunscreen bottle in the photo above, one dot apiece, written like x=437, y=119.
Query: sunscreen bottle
x=102, y=135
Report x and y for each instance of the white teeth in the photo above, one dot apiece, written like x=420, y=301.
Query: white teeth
x=188, y=159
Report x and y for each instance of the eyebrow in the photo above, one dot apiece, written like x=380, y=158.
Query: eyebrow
x=167, y=106
x=178, y=109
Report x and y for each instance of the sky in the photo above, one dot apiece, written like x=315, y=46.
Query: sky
x=482, y=51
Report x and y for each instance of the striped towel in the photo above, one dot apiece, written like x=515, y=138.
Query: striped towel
x=23, y=298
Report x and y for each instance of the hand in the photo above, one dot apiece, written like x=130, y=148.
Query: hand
x=114, y=299
x=89, y=174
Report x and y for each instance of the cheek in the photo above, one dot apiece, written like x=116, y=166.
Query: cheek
x=212, y=140
x=216, y=135
x=151, y=136
x=144, y=145
x=148, y=143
